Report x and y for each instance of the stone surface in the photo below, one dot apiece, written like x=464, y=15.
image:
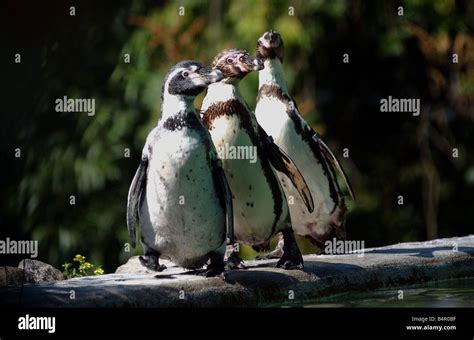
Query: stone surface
x=261, y=284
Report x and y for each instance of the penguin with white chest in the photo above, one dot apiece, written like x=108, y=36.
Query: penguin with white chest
x=278, y=114
x=179, y=195
x=260, y=206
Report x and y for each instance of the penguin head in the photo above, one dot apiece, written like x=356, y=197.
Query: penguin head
x=189, y=78
x=270, y=46
x=236, y=64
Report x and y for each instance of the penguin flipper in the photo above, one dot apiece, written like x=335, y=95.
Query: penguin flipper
x=322, y=147
x=331, y=157
x=133, y=200
x=225, y=194
x=283, y=163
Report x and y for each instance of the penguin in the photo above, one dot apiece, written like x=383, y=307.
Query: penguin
x=260, y=206
x=179, y=195
x=278, y=115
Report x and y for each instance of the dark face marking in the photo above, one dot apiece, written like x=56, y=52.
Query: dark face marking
x=235, y=63
x=270, y=46
x=189, y=78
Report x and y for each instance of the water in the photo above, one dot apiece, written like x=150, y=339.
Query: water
x=446, y=293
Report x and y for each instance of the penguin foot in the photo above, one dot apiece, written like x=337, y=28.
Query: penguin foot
x=291, y=258
x=234, y=261
x=152, y=263
x=213, y=272
x=267, y=257
x=289, y=265
x=215, y=266
x=206, y=272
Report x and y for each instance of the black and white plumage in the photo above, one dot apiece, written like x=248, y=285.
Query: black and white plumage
x=278, y=114
x=260, y=206
x=179, y=195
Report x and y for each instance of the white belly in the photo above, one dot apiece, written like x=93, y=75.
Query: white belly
x=181, y=217
x=271, y=115
x=253, y=201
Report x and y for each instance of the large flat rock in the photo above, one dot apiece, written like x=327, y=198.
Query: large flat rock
x=261, y=284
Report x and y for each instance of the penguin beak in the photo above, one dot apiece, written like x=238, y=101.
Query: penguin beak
x=252, y=64
x=270, y=39
x=215, y=76
x=207, y=77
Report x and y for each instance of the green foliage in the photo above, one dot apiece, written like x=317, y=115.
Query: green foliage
x=79, y=267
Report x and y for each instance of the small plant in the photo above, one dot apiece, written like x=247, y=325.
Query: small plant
x=79, y=267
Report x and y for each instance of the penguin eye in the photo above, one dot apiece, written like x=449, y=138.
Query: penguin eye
x=229, y=61
x=185, y=74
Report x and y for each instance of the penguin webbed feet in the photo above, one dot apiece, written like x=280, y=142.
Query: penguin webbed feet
x=290, y=262
x=267, y=257
x=152, y=262
x=212, y=272
x=214, y=268
x=234, y=261
x=291, y=258
x=289, y=265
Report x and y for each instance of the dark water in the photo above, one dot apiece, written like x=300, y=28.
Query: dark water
x=446, y=293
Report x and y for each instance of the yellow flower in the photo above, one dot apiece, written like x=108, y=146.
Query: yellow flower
x=98, y=271
x=85, y=266
x=79, y=258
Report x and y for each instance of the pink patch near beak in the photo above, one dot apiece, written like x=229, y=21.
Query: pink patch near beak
x=243, y=68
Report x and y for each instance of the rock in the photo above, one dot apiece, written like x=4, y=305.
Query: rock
x=40, y=272
x=261, y=284
x=29, y=271
x=133, y=266
x=13, y=276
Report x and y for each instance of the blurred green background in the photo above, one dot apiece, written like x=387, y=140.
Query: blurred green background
x=82, y=56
